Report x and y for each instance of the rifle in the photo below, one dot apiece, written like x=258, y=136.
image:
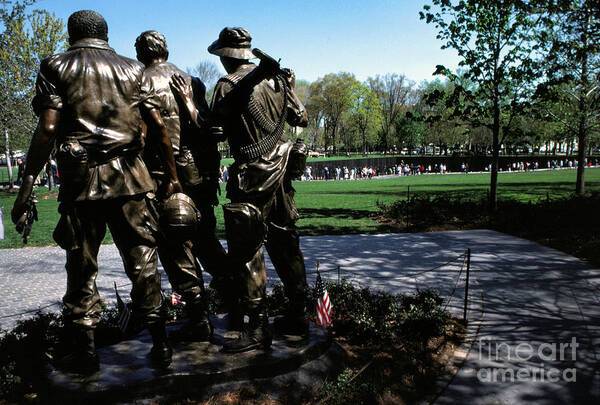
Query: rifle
x=269, y=64
x=31, y=215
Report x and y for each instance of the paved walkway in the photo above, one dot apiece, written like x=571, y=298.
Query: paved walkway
x=536, y=300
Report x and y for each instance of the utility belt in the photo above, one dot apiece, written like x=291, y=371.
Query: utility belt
x=73, y=156
x=75, y=161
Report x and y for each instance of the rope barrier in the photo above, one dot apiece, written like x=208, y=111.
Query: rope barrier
x=31, y=310
x=357, y=283
x=396, y=276
x=455, y=284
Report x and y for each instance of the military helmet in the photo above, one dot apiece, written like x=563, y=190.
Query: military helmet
x=179, y=217
x=245, y=229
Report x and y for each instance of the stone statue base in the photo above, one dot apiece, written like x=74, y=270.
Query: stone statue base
x=199, y=369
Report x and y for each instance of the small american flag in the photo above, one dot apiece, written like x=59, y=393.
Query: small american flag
x=324, y=309
x=124, y=312
x=176, y=299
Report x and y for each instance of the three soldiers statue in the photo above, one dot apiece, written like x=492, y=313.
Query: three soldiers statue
x=136, y=144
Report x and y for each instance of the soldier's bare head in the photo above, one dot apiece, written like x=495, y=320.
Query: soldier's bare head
x=151, y=46
x=87, y=24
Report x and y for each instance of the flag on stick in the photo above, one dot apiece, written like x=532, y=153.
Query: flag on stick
x=324, y=309
x=124, y=312
x=176, y=299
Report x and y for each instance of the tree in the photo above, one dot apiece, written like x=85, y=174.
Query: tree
x=393, y=91
x=574, y=75
x=497, y=43
x=442, y=128
x=331, y=96
x=315, y=109
x=208, y=72
x=410, y=129
x=365, y=114
x=26, y=39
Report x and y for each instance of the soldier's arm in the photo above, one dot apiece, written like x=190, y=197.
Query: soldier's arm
x=157, y=133
x=212, y=123
x=184, y=91
x=39, y=152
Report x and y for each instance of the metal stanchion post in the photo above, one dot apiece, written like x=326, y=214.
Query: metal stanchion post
x=407, y=204
x=467, y=284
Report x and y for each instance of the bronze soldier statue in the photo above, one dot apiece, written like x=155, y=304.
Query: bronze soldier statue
x=251, y=105
x=197, y=160
x=88, y=102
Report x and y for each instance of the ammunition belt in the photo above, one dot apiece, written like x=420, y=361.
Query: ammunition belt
x=275, y=130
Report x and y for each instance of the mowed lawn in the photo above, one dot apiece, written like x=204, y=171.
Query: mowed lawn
x=334, y=207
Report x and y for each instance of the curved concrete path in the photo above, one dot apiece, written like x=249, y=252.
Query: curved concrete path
x=538, y=303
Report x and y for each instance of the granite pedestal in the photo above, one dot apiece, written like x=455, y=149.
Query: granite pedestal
x=126, y=374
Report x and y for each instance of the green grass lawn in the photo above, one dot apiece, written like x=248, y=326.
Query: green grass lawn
x=335, y=207
x=4, y=173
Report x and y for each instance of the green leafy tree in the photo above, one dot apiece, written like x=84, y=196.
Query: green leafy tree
x=332, y=98
x=394, y=92
x=574, y=75
x=26, y=38
x=315, y=108
x=410, y=130
x=442, y=128
x=498, y=45
x=366, y=115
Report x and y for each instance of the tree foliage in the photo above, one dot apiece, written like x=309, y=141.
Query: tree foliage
x=571, y=94
x=26, y=38
x=499, y=44
x=394, y=92
x=329, y=100
x=365, y=115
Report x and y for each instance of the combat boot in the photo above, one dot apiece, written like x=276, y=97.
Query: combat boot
x=197, y=329
x=235, y=320
x=255, y=335
x=83, y=360
x=294, y=321
x=161, y=353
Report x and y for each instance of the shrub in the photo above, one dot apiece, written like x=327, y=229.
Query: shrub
x=367, y=316
x=344, y=389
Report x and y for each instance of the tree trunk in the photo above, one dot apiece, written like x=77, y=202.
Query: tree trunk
x=495, y=150
x=495, y=135
x=333, y=139
x=582, y=130
x=8, y=162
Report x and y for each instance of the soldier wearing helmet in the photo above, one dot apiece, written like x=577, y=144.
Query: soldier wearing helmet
x=250, y=107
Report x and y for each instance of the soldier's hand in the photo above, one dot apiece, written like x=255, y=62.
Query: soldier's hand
x=169, y=188
x=181, y=87
x=291, y=79
x=18, y=214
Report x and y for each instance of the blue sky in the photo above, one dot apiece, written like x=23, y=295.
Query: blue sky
x=312, y=37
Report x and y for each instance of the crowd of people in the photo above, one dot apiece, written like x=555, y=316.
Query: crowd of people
x=413, y=169
x=368, y=172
